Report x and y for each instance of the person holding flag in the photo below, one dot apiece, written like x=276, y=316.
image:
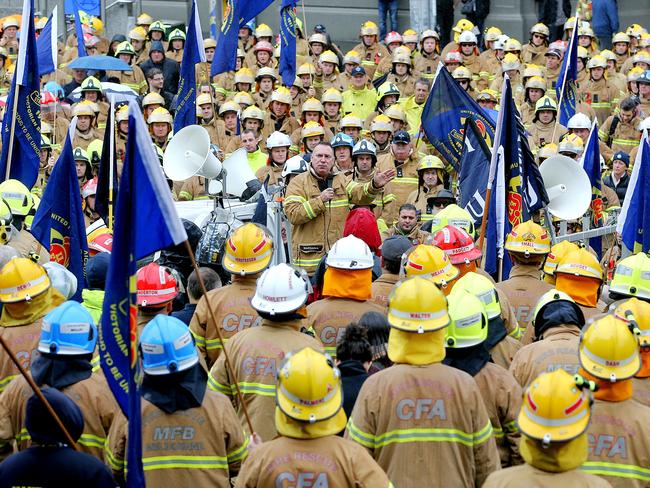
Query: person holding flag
x=566, y=87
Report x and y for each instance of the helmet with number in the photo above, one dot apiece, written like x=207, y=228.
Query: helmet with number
x=417, y=305
x=312, y=128
x=492, y=34
x=457, y=244
x=17, y=196
x=278, y=139
x=342, y=140
x=469, y=321
x=266, y=71
x=510, y=61
x=332, y=95
x=364, y=146
x=410, y=37
x=243, y=98
x=528, y=238
x=203, y=99
x=463, y=25
x=546, y=103
x=317, y=37
x=157, y=26
x=453, y=215
x=89, y=188
x=558, y=251
x=430, y=262
x=138, y=34
x=263, y=30
x=21, y=279
x=579, y=121
x=309, y=391
x=351, y=120
x=248, y=250
x=161, y=115
x=281, y=95
x=395, y=112
x=156, y=286
x=167, y=346
x=244, y=75
x=68, y=330
x=352, y=57
x=84, y=107
x=369, y=28
x=467, y=37
x=381, y=123
x=461, y=73
x=580, y=263
x=556, y=407
x=512, y=45
x=91, y=84
x=536, y=82
x=540, y=28
x=312, y=105
x=632, y=277
x=402, y=55
x=637, y=311
x=153, y=99
x=281, y=289
x=609, y=349
x=294, y=166
x=482, y=288
x=597, y=62
x=350, y=253
x=571, y=143
x=124, y=47
x=392, y=37
x=329, y=57
x=252, y=112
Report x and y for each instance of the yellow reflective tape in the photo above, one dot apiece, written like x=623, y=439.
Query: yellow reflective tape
x=23, y=435
x=240, y=453
x=5, y=382
x=200, y=340
x=626, y=142
x=294, y=198
x=309, y=210
x=629, y=471
x=187, y=462
x=405, y=181
x=90, y=440
x=214, y=385
x=359, y=436
x=117, y=464
x=185, y=194
x=212, y=344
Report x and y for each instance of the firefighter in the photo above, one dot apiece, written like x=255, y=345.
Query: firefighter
x=621, y=48
x=91, y=90
x=535, y=89
x=468, y=48
x=343, y=146
x=557, y=322
x=527, y=244
x=619, y=435
x=620, y=132
x=326, y=73
x=160, y=126
x=308, y=415
x=21, y=203
x=407, y=225
x=332, y=101
x=278, y=145
x=27, y=296
x=256, y=353
x=459, y=246
x=534, y=51
x=410, y=427
x=135, y=78
x=558, y=251
x=370, y=50
x=427, y=63
x=543, y=130
x=580, y=275
x=280, y=112
x=265, y=81
x=157, y=289
x=630, y=279
x=67, y=343
x=392, y=250
x=85, y=131
x=248, y=252
x=431, y=179
x=553, y=64
x=465, y=350
x=388, y=94
x=318, y=201
x=191, y=435
x=553, y=452
x=381, y=131
x=401, y=73
x=604, y=95
x=358, y=98
x=311, y=111
x=347, y=288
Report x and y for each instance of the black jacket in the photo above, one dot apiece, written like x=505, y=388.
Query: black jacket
x=353, y=375
x=621, y=188
x=548, y=11
x=185, y=314
x=170, y=69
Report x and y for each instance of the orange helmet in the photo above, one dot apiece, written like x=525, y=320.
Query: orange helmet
x=156, y=285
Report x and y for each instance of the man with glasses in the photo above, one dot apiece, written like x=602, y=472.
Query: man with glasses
x=156, y=82
x=318, y=201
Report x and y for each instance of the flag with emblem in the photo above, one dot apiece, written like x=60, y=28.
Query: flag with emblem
x=59, y=221
x=591, y=164
x=566, y=88
x=145, y=221
x=288, y=42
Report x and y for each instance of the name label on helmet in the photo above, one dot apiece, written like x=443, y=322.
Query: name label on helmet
x=608, y=445
x=75, y=328
x=259, y=366
x=302, y=480
x=420, y=408
x=235, y=323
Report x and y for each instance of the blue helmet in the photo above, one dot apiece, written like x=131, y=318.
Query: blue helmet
x=68, y=330
x=167, y=346
x=342, y=139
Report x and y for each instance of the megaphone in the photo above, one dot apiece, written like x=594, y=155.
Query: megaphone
x=188, y=154
x=238, y=172
x=568, y=187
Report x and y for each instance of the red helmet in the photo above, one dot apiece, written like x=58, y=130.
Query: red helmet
x=48, y=98
x=90, y=188
x=263, y=46
x=101, y=243
x=457, y=244
x=156, y=285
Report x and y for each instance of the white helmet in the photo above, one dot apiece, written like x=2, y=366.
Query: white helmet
x=280, y=289
x=294, y=166
x=350, y=253
x=644, y=124
x=500, y=43
x=579, y=121
x=278, y=139
x=467, y=37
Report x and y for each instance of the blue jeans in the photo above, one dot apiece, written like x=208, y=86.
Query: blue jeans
x=384, y=7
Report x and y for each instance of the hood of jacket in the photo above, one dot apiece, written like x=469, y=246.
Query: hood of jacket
x=361, y=223
x=40, y=425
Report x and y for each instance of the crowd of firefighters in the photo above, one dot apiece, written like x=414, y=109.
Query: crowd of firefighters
x=382, y=354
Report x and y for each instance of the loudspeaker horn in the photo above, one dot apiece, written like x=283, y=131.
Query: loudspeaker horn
x=568, y=187
x=238, y=172
x=188, y=154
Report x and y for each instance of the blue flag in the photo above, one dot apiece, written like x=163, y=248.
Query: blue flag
x=145, y=221
x=193, y=53
x=213, y=19
x=91, y=7
x=634, y=219
x=518, y=188
x=46, y=45
x=565, y=88
x=20, y=158
x=59, y=221
x=235, y=15
x=474, y=172
x=591, y=164
x=288, y=42
x=79, y=31
x=444, y=115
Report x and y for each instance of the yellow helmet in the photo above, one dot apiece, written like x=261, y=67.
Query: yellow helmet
x=252, y=112
x=162, y=115
x=203, y=99
x=533, y=70
x=249, y=250
x=492, y=34
x=369, y=28
x=429, y=33
x=144, y=19
x=512, y=45
x=17, y=196
x=124, y=47
x=540, y=28
x=546, y=151
x=381, y=123
x=395, y=112
x=243, y=98
x=153, y=99
x=597, y=61
x=644, y=41
x=635, y=73
x=80, y=154
x=263, y=30
x=46, y=129
x=488, y=95
x=351, y=120
x=430, y=162
x=332, y=95
x=305, y=69
x=21, y=279
x=571, y=143
x=469, y=321
x=402, y=55
x=228, y=107
x=46, y=143
x=632, y=276
x=585, y=30
x=266, y=71
x=244, y=75
x=417, y=305
x=430, y=262
x=312, y=105
x=580, y=263
x=620, y=37
x=84, y=107
x=410, y=36
x=122, y=114
x=634, y=30
x=461, y=73
x=556, y=407
x=317, y=37
x=608, y=55
x=557, y=253
x=582, y=52
x=545, y=103
x=5, y=223
x=387, y=88
x=329, y=57
x=209, y=43
x=453, y=215
x=91, y=84
x=510, y=61
x=157, y=26
x=637, y=311
x=641, y=57
x=528, y=238
x=463, y=25
x=312, y=128
x=482, y=288
x=352, y=57
x=536, y=82
x=282, y=95
x=309, y=389
x=570, y=23
x=94, y=150
x=138, y=34
x=609, y=349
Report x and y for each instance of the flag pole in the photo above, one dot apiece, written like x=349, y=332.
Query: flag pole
x=12, y=132
x=229, y=368
x=486, y=210
x=111, y=166
x=39, y=394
